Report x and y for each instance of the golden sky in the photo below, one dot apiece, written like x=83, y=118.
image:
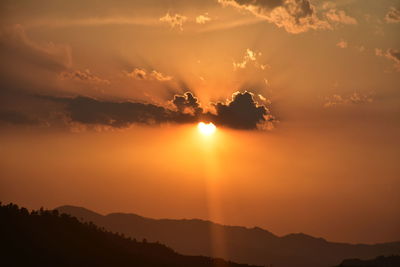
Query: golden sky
x=99, y=102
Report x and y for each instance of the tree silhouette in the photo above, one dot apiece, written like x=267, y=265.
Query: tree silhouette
x=47, y=238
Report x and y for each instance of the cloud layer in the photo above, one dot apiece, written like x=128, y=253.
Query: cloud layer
x=239, y=112
x=295, y=16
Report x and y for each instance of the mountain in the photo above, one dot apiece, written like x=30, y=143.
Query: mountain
x=381, y=261
x=46, y=239
x=239, y=244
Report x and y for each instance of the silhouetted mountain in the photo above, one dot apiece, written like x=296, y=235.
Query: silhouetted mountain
x=239, y=244
x=45, y=238
x=381, y=261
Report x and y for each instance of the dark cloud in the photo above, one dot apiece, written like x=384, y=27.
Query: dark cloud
x=15, y=117
x=242, y=112
x=187, y=103
x=119, y=114
x=302, y=9
x=268, y=4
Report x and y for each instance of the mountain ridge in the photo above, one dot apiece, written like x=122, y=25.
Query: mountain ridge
x=241, y=244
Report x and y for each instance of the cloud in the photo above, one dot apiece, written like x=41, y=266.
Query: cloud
x=138, y=74
x=159, y=76
x=83, y=76
x=91, y=111
x=187, y=104
x=261, y=97
x=242, y=112
x=15, y=117
x=295, y=16
x=393, y=15
x=203, y=19
x=354, y=98
x=340, y=17
x=15, y=41
x=391, y=54
x=142, y=74
x=174, y=21
x=342, y=44
x=394, y=55
x=249, y=57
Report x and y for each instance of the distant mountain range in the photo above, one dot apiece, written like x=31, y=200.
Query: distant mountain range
x=47, y=239
x=235, y=243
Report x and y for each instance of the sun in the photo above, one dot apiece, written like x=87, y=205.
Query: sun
x=206, y=128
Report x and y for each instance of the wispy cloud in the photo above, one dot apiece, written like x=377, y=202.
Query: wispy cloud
x=393, y=15
x=342, y=44
x=391, y=54
x=83, y=76
x=203, y=19
x=250, y=57
x=175, y=21
x=340, y=17
x=354, y=98
x=142, y=74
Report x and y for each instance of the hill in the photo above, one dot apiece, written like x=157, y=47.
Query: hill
x=45, y=238
x=235, y=243
x=382, y=261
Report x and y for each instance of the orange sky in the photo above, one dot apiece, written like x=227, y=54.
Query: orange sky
x=92, y=111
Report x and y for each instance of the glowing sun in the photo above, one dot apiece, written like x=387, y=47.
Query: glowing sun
x=206, y=128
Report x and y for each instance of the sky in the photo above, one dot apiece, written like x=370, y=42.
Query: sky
x=99, y=102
